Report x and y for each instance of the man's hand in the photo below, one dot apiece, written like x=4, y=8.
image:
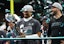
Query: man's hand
x=22, y=35
x=62, y=42
x=39, y=34
x=7, y=42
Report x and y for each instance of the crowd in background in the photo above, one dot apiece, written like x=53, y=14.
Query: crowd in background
x=9, y=27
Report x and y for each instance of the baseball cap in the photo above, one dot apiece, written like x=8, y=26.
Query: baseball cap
x=57, y=5
x=27, y=8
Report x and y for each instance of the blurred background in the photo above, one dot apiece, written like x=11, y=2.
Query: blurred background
x=41, y=7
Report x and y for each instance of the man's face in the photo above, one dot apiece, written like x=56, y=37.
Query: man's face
x=54, y=10
x=27, y=14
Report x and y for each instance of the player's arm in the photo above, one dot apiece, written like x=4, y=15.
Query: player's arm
x=38, y=27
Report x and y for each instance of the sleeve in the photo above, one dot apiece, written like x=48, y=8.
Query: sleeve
x=38, y=26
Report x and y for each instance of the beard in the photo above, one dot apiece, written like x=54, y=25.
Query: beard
x=53, y=13
x=26, y=16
